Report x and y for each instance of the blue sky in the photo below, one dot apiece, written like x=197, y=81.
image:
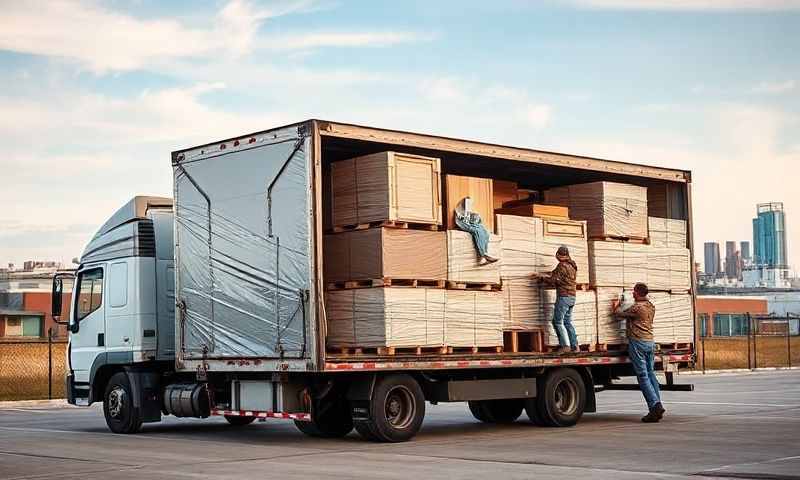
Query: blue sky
x=95, y=95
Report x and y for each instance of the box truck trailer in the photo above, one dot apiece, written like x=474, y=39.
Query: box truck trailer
x=212, y=303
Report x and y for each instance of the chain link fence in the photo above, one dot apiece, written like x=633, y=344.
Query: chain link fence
x=32, y=369
x=765, y=342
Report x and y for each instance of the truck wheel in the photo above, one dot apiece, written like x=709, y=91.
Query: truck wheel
x=561, y=399
x=239, y=421
x=330, y=419
x=121, y=416
x=396, y=410
x=497, y=411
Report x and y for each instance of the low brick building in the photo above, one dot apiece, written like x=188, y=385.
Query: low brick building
x=726, y=315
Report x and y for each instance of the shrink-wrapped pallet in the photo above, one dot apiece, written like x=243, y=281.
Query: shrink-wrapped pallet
x=610, y=209
x=377, y=253
x=386, y=186
x=413, y=317
x=463, y=263
x=673, y=321
x=526, y=305
x=385, y=317
x=529, y=245
x=623, y=264
x=667, y=232
x=473, y=318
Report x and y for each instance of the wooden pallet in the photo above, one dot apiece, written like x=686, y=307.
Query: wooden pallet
x=675, y=346
x=473, y=286
x=416, y=351
x=515, y=341
x=584, y=347
x=610, y=347
x=386, y=282
x=387, y=224
x=641, y=241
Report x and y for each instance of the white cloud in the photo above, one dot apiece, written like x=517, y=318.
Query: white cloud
x=775, y=87
x=690, y=4
x=103, y=40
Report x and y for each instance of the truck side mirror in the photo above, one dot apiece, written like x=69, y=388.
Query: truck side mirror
x=56, y=297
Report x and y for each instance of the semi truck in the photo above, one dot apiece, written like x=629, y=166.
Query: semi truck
x=211, y=303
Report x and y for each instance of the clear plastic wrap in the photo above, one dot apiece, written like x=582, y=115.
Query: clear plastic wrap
x=242, y=249
x=611, y=209
x=623, y=264
x=673, y=322
x=463, y=263
x=413, y=317
x=527, y=249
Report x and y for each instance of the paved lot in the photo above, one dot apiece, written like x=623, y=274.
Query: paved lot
x=733, y=426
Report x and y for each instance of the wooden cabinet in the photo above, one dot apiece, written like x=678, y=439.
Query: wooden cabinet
x=478, y=189
x=386, y=186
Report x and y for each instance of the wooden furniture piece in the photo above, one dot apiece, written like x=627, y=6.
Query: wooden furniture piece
x=478, y=189
x=386, y=186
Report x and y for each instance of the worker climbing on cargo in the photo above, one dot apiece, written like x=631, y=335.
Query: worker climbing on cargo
x=563, y=278
x=641, y=348
x=471, y=222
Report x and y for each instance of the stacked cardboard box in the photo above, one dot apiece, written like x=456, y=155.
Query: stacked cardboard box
x=623, y=264
x=411, y=317
x=386, y=186
x=611, y=209
x=667, y=232
x=463, y=264
x=529, y=245
x=672, y=323
x=526, y=305
x=385, y=252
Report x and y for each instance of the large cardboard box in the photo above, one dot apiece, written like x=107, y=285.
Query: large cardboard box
x=463, y=264
x=623, y=264
x=526, y=305
x=529, y=245
x=610, y=209
x=667, y=232
x=385, y=253
x=386, y=186
x=478, y=189
x=411, y=317
x=673, y=322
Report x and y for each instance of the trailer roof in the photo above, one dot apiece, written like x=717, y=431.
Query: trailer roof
x=435, y=142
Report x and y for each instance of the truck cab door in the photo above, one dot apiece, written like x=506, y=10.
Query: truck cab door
x=87, y=322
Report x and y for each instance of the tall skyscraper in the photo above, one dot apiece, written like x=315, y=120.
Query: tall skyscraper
x=769, y=236
x=712, y=259
x=731, y=260
x=744, y=247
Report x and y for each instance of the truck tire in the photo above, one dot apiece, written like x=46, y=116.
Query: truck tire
x=239, y=421
x=497, y=411
x=329, y=420
x=560, y=400
x=121, y=416
x=396, y=410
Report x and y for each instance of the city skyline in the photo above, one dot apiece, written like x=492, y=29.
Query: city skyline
x=92, y=114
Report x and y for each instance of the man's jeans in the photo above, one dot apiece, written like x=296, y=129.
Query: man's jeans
x=642, y=355
x=562, y=322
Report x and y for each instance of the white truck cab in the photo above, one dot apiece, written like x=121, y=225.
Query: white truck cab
x=122, y=311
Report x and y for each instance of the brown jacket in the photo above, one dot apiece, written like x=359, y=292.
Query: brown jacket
x=563, y=278
x=639, y=325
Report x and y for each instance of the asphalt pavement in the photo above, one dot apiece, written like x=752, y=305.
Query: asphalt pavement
x=731, y=426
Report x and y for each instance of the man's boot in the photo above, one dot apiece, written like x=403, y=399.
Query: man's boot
x=655, y=414
x=659, y=409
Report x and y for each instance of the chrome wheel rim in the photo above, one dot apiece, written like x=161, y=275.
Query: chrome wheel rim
x=116, y=401
x=400, y=407
x=566, y=396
